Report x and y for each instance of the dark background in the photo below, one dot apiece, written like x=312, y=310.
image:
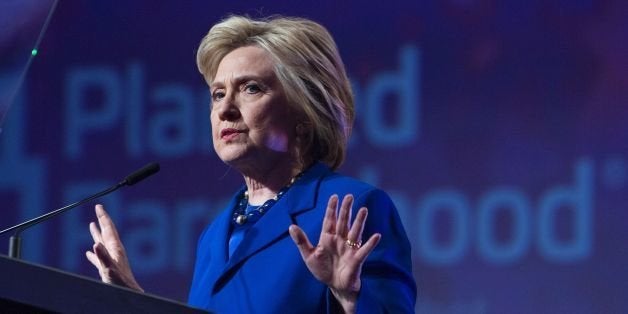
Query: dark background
x=498, y=127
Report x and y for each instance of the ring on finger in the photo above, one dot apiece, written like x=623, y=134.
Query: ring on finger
x=353, y=244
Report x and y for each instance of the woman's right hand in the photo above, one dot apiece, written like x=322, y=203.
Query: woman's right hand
x=108, y=254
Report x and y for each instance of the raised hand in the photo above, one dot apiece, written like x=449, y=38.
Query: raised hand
x=337, y=259
x=108, y=254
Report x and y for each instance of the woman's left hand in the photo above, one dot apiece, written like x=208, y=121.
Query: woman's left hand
x=337, y=259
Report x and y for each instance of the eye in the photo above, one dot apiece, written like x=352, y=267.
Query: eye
x=252, y=88
x=217, y=95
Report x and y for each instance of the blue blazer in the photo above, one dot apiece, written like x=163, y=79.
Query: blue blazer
x=266, y=273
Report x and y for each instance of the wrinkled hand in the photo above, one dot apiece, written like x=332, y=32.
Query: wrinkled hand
x=337, y=260
x=109, y=255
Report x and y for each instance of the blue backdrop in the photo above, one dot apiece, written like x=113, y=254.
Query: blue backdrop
x=498, y=127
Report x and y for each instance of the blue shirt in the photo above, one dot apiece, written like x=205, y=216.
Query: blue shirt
x=266, y=274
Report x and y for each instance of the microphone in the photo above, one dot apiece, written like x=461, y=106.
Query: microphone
x=133, y=178
x=141, y=174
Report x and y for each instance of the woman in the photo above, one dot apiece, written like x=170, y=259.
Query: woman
x=281, y=114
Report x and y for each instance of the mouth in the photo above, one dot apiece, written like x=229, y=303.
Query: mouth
x=229, y=133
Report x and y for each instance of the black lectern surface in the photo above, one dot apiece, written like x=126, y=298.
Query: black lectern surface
x=28, y=288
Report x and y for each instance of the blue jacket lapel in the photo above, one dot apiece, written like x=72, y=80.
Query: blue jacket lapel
x=274, y=224
x=218, y=246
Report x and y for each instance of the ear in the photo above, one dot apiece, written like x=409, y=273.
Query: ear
x=301, y=129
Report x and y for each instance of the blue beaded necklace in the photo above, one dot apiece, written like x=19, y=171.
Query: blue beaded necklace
x=240, y=215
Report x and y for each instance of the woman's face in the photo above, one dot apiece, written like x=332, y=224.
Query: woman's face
x=252, y=123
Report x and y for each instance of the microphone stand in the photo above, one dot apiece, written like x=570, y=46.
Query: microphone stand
x=15, y=241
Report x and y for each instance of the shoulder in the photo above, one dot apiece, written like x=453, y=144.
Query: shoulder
x=362, y=192
x=335, y=180
x=322, y=182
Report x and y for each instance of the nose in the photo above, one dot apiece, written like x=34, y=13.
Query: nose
x=228, y=110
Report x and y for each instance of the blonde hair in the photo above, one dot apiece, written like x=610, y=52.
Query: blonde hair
x=309, y=67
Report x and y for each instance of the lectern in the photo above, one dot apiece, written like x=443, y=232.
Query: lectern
x=28, y=288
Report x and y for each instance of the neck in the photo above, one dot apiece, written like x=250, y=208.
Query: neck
x=263, y=185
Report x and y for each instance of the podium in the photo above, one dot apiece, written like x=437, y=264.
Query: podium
x=31, y=288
